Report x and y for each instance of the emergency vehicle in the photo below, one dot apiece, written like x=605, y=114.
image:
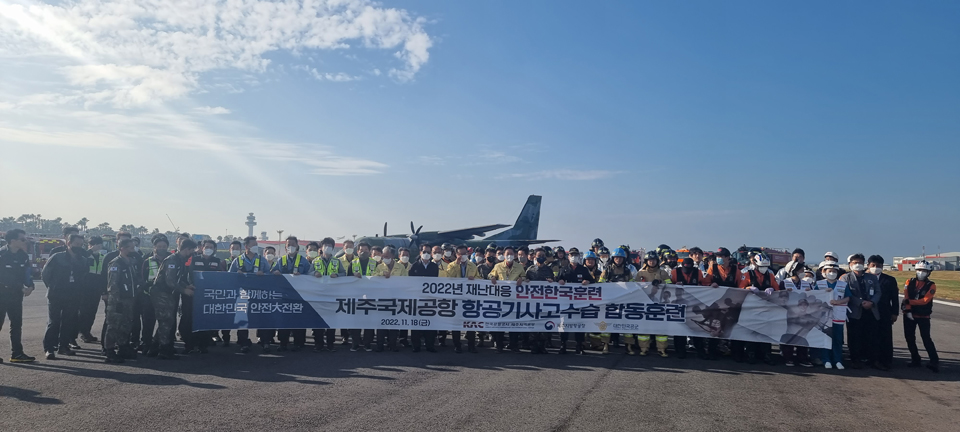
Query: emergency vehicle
x=38, y=248
x=779, y=257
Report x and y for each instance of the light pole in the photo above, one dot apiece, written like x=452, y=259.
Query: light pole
x=280, y=238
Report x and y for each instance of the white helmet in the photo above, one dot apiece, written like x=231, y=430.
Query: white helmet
x=831, y=255
x=923, y=265
x=761, y=260
x=828, y=264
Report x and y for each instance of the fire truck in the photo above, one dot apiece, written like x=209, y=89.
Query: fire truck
x=779, y=257
x=38, y=248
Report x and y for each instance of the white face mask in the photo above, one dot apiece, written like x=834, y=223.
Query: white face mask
x=270, y=257
x=447, y=254
x=292, y=250
x=464, y=258
x=604, y=259
x=327, y=250
x=830, y=275
x=404, y=259
x=378, y=258
x=312, y=254
x=424, y=257
x=574, y=259
x=508, y=258
x=208, y=252
x=875, y=270
x=923, y=274
x=234, y=252
x=499, y=257
x=720, y=261
x=762, y=269
x=387, y=260
x=856, y=267
x=437, y=257
x=348, y=251
x=809, y=280
x=254, y=249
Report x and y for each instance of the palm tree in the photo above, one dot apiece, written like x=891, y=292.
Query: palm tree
x=22, y=220
x=82, y=223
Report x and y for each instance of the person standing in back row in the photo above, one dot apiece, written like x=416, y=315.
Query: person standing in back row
x=424, y=268
x=250, y=262
x=888, y=307
x=121, y=288
x=205, y=261
x=292, y=263
x=172, y=281
x=16, y=283
x=863, y=319
x=64, y=274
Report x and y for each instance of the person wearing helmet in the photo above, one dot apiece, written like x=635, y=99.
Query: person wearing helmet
x=669, y=260
x=651, y=272
x=604, y=255
x=795, y=354
x=834, y=258
x=917, y=307
x=863, y=320
x=757, y=278
x=577, y=274
x=616, y=271
x=839, y=297
x=688, y=274
x=591, y=263
x=596, y=245
x=661, y=250
x=796, y=260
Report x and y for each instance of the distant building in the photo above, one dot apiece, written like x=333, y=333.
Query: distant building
x=949, y=261
x=251, y=222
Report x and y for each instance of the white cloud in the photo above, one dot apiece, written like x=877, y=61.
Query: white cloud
x=562, y=174
x=137, y=52
x=337, y=77
x=211, y=110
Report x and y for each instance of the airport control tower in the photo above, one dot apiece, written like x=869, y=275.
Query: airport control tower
x=251, y=222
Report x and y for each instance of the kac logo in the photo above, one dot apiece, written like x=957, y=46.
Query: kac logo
x=473, y=324
x=549, y=325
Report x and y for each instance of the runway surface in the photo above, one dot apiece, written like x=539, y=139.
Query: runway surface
x=225, y=390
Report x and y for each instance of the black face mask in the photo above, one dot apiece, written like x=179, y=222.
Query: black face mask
x=491, y=260
x=687, y=269
x=77, y=250
x=541, y=260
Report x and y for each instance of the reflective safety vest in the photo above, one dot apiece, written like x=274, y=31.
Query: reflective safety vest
x=97, y=264
x=256, y=263
x=154, y=267
x=296, y=262
x=332, y=268
x=371, y=267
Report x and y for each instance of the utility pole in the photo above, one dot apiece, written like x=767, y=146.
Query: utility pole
x=280, y=238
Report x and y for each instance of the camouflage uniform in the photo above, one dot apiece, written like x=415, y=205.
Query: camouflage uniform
x=172, y=280
x=121, y=286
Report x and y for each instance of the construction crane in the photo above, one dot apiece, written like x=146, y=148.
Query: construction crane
x=176, y=229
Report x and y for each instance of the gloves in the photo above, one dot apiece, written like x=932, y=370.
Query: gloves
x=656, y=282
x=754, y=289
x=768, y=291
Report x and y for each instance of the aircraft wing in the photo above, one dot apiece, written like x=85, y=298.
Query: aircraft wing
x=469, y=233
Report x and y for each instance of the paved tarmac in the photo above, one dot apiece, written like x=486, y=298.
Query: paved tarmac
x=225, y=390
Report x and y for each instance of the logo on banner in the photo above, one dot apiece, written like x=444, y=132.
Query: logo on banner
x=602, y=325
x=549, y=325
x=473, y=324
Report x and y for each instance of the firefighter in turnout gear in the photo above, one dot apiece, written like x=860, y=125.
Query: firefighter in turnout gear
x=617, y=271
x=651, y=272
x=757, y=279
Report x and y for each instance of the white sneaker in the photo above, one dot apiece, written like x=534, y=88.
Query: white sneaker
x=839, y=366
x=827, y=365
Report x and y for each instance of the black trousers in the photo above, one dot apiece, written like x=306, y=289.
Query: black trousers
x=471, y=338
x=357, y=335
x=144, y=321
x=680, y=344
x=11, y=306
x=910, y=334
x=577, y=337
x=707, y=346
x=498, y=340
x=863, y=338
x=320, y=334
x=885, y=335
x=758, y=350
x=61, y=324
x=388, y=337
x=299, y=337
x=87, y=311
x=428, y=336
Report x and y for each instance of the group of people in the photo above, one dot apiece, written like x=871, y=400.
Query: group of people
x=143, y=294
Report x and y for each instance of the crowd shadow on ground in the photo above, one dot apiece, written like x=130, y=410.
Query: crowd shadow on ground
x=321, y=368
x=26, y=395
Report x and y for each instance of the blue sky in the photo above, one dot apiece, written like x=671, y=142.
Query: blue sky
x=817, y=125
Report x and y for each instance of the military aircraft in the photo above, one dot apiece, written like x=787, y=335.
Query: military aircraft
x=523, y=233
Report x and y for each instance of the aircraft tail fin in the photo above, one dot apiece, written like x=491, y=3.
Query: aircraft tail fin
x=527, y=225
